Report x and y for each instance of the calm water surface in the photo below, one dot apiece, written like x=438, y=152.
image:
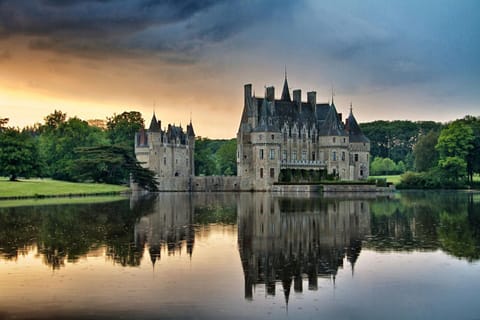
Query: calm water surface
x=217, y=256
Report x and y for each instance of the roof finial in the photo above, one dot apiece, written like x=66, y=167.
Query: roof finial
x=285, y=72
x=351, y=107
x=333, y=93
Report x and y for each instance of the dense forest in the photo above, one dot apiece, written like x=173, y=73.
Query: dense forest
x=428, y=154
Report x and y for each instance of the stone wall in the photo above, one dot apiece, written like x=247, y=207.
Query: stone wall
x=200, y=184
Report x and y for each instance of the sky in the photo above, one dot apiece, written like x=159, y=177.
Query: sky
x=189, y=59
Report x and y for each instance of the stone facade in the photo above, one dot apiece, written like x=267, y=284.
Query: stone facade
x=276, y=134
x=169, y=152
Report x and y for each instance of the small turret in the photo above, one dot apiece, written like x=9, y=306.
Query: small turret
x=353, y=129
x=154, y=124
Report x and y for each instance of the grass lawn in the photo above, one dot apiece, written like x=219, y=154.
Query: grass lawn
x=48, y=187
x=58, y=201
x=395, y=179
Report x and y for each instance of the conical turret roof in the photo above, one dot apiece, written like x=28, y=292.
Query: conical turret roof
x=154, y=126
x=354, y=131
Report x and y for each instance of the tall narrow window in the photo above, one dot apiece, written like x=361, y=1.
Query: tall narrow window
x=261, y=173
x=260, y=154
x=313, y=156
x=294, y=155
x=284, y=155
x=334, y=156
x=272, y=173
x=272, y=154
x=356, y=157
x=304, y=155
x=343, y=155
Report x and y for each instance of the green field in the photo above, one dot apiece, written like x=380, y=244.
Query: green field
x=47, y=187
x=395, y=179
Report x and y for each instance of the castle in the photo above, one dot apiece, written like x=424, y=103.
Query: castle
x=275, y=136
x=169, y=152
x=279, y=134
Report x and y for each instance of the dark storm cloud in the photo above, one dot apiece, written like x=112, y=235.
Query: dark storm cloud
x=122, y=27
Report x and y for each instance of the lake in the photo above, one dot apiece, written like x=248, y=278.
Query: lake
x=409, y=255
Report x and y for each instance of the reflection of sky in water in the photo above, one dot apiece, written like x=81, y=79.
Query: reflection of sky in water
x=211, y=282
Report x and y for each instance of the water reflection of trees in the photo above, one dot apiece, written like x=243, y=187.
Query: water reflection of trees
x=283, y=239
x=67, y=232
x=428, y=221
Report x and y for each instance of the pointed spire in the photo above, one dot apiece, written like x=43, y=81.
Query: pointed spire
x=154, y=125
x=285, y=91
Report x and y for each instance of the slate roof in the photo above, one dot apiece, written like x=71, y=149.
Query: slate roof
x=354, y=131
x=272, y=116
x=332, y=125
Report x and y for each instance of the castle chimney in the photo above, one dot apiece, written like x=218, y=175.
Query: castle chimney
x=271, y=93
x=297, y=98
x=340, y=116
x=312, y=98
x=247, y=93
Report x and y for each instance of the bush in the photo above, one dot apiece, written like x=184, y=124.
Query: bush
x=433, y=179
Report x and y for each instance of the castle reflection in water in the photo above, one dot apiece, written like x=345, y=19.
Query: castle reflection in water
x=280, y=238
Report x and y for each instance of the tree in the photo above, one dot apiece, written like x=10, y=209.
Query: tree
x=456, y=140
x=54, y=120
x=227, y=158
x=381, y=166
x=455, y=143
x=121, y=128
x=424, y=152
x=18, y=154
x=58, y=144
x=112, y=164
x=473, y=156
x=205, y=161
x=454, y=168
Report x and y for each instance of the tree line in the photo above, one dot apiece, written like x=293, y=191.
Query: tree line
x=432, y=154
